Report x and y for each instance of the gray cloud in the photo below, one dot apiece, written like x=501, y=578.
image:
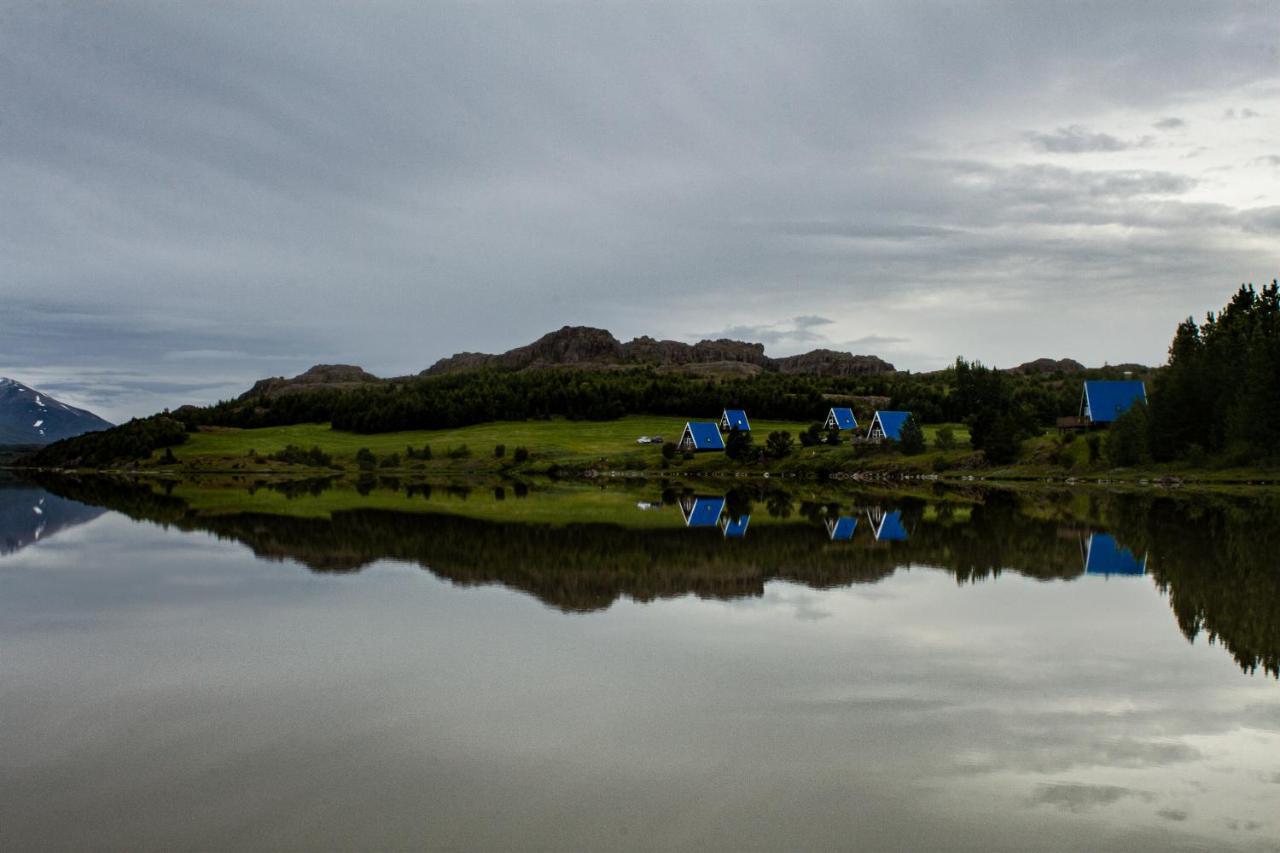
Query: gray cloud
x=1170, y=123
x=1078, y=799
x=201, y=196
x=1078, y=140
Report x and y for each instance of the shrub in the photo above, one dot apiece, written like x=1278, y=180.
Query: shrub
x=811, y=436
x=391, y=460
x=911, y=438
x=521, y=455
x=1127, y=443
x=669, y=450
x=779, y=444
x=365, y=459
x=738, y=445
x=294, y=455
x=833, y=437
x=499, y=451
x=945, y=439
x=459, y=452
x=1095, y=447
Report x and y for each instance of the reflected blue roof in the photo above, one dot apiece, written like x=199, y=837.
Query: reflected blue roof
x=736, y=419
x=891, y=423
x=891, y=529
x=1105, y=556
x=844, y=418
x=736, y=528
x=843, y=528
x=1104, y=401
x=702, y=512
x=705, y=436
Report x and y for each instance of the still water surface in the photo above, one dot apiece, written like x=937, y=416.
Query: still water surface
x=576, y=668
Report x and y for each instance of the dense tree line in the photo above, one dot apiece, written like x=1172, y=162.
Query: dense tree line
x=127, y=442
x=1220, y=392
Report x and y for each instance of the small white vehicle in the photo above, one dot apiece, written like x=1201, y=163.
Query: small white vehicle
x=644, y=439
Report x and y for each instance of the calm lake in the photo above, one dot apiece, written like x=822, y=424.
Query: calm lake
x=383, y=666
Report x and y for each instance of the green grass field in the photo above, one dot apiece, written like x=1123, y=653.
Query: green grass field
x=552, y=440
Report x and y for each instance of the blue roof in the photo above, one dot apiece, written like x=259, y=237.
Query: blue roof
x=842, y=529
x=891, y=423
x=736, y=419
x=1105, y=556
x=1104, y=401
x=891, y=529
x=736, y=528
x=705, y=436
x=844, y=418
x=702, y=512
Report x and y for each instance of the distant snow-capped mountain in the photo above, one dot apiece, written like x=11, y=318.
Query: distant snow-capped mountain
x=29, y=417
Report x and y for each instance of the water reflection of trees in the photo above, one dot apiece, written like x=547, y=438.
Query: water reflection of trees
x=1215, y=557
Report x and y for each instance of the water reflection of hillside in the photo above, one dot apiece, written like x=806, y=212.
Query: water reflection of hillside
x=1213, y=556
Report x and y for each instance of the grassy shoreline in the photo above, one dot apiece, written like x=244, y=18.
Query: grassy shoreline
x=561, y=447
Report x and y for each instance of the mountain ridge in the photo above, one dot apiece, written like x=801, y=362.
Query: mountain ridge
x=586, y=347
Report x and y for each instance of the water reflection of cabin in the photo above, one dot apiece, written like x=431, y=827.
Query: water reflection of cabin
x=1103, y=555
x=732, y=419
x=735, y=528
x=840, y=419
x=700, y=435
x=842, y=529
x=887, y=526
x=701, y=512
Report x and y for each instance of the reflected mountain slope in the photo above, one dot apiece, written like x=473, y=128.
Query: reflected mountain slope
x=29, y=514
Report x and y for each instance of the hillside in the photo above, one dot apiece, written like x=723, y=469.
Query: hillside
x=29, y=417
x=586, y=348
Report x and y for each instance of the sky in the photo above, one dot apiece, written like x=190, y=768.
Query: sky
x=199, y=195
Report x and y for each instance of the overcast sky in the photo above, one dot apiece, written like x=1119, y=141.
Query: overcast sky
x=198, y=195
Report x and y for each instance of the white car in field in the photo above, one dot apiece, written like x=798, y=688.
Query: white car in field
x=644, y=439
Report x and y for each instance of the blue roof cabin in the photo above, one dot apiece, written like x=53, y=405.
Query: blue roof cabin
x=699, y=435
x=842, y=529
x=735, y=528
x=887, y=527
x=1103, y=555
x=1104, y=401
x=887, y=425
x=735, y=419
x=701, y=512
x=840, y=419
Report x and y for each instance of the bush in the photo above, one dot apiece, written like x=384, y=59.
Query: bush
x=779, y=444
x=294, y=455
x=1095, y=447
x=738, y=445
x=459, y=452
x=833, y=437
x=424, y=454
x=521, y=455
x=365, y=459
x=1127, y=443
x=499, y=451
x=391, y=460
x=811, y=436
x=945, y=439
x=669, y=450
x=911, y=438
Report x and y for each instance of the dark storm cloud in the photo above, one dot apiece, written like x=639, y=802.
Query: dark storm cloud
x=216, y=193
